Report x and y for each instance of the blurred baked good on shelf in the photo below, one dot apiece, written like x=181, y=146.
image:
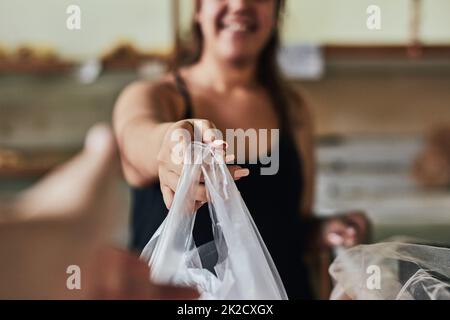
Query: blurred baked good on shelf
x=29, y=163
x=126, y=56
x=29, y=59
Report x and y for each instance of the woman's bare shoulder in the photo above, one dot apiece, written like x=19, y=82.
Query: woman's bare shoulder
x=160, y=89
x=153, y=95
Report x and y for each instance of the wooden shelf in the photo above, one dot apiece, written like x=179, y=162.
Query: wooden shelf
x=34, y=67
x=386, y=52
x=123, y=56
x=29, y=164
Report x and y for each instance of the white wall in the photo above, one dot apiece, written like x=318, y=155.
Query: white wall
x=436, y=21
x=147, y=23
x=344, y=21
x=104, y=23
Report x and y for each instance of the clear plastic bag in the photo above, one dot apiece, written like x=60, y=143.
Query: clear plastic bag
x=236, y=265
x=406, y=271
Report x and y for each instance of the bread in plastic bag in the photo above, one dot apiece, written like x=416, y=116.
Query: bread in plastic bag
x=407, y=272
x=237, y=264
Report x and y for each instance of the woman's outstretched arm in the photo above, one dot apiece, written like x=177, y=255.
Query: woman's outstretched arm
x=142, y=116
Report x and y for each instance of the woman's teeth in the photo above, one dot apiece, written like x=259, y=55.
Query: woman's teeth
x=239, y=27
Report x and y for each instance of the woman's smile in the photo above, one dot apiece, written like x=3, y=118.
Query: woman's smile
x=238, y=25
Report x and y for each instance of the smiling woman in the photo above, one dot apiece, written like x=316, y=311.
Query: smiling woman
x=228, y=79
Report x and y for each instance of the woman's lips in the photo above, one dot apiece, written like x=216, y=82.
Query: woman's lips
x=235, y=26
x=238, y=27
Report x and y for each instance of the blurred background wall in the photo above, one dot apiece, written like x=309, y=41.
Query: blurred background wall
x=42, y=23
x=395, y=93
x=374, y=92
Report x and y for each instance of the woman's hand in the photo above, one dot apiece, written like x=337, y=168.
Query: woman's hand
x=170, y=164
x=345, y=230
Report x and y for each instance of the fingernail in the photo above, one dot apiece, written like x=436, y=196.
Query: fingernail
x=220, y=143
x=241, y=173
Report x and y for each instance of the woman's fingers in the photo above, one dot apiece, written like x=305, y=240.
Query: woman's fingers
x=170, y=179
x=237, y=172
x=175, y=144
x=168, y=195
x=171, y=159
x=207, y=129
x=172, y=166
x=229, y=159
x=200, y=196
x=169, y=183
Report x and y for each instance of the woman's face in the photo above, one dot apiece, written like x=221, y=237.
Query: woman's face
x=236, y=30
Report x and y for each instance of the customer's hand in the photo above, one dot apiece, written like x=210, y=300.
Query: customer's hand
x=86, y=187
x=66, y=220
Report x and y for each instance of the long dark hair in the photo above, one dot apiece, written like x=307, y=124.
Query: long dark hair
x=269, y=74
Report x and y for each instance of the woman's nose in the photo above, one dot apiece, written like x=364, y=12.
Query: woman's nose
x=239, y=4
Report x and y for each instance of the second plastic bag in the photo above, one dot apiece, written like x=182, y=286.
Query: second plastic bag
x=392, y=271
x=236, y=265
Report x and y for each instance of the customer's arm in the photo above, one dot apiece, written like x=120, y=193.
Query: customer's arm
x=67, y=220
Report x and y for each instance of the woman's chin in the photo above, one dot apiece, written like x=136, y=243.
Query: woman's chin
x=238, y=57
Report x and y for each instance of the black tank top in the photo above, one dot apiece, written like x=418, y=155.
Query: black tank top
x=273, y=202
